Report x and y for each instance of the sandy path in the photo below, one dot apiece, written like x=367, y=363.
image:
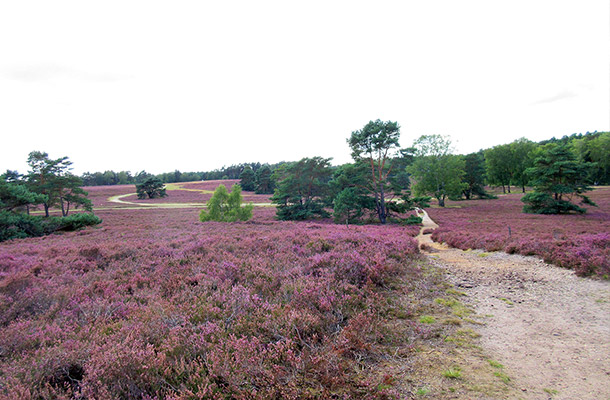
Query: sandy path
x=141, y=205
x=548, y=327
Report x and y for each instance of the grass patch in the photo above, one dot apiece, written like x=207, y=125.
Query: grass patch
x=502, y=376
x=453, y=373
x=457, y=308
x=455, y=292
x=482, y=255
x=507, y=301
x=427, y=319
x=422, y=391
x=495, y=364
x=467, y=332
x=550, y=391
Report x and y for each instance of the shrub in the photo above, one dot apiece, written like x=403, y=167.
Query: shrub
x=226, y=207
x=19, y=226
x=544, y=203
x=152, y=187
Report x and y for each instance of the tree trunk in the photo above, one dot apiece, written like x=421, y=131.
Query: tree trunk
x=441, y=201
x=46, y=210
x=381, y=211
x=503, y=189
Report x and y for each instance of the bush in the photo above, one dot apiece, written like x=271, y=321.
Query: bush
x=226, y=207
x=19, y=226
x=78, y=221
x=152, y=187
x=544, y=203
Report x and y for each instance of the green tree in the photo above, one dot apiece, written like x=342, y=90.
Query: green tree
x=436, y=171
x=15, y=195
x=226, y=207
x=348, y=206
x=558, y=178
x=52, y=179
x=70, y=193
x=374, y=145
x=302, y=189
x=498, y=165
x=595, y=147
x=264, y=180
x=247, y=179
x=11, y=176
x=125, y=178
x=350, y=194
x=142, y=176
x=152, y=187
x=522, y=158
x=474, y=176
x=47, y=183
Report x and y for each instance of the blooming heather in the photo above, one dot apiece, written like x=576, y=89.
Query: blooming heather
x=580, y=242
x=154, y=304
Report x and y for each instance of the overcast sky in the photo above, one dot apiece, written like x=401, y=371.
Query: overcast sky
x=195, y=85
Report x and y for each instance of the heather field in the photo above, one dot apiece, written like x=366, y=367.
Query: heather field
x=153, y=304
x=580, y=242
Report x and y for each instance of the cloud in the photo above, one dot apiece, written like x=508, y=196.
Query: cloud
x=566, y=94
x=45, y=72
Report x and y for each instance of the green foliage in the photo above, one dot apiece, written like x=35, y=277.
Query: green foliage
x=522, y=157
x=19, y=226
x=70, y=193
x=152, y=187
x=74, y=222
x=302, y=189
x=453, y=373
x=436, y=171
x=226, y=207
x=406, y=204
x=498, y=165
x=264, y=180
x=142, y=176
x=557, y=177
x=544, y=203
x=52, y=179
x=349, y=206
x=474, y=176
x=45, y=177
x=15, y=195
x=247, y=179
x=374, y=145
x=595, y=148
x=349, y=194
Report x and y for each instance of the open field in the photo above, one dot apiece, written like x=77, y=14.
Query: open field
x=580, y=242
x=195, y=193
x=155, y=304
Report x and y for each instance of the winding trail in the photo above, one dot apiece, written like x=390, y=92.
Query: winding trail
x=140, y=205
x=548, y=327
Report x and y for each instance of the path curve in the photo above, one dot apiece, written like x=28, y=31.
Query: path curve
x=548, y=327
x=119, y=199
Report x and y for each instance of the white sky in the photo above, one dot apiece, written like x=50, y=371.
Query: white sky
x=195, y=85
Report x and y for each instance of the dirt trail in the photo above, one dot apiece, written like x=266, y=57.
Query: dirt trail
x=548, y=327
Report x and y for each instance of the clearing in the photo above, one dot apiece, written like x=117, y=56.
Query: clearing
x=549, y=328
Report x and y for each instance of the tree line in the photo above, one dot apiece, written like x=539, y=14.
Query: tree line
x=383, y=177
x=110, y=177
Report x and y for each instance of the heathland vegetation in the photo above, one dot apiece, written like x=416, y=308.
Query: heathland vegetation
x=171, y=298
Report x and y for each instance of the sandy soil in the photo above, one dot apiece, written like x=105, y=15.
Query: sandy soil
x=548, y=327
